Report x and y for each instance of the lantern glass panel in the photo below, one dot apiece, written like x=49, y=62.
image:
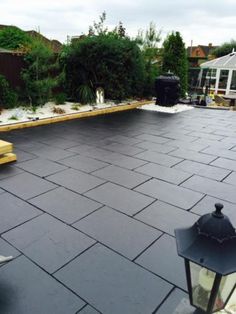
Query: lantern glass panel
x=202, y=280
x=227, y=286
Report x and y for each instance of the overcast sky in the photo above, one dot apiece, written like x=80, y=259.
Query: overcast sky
x=203, y=21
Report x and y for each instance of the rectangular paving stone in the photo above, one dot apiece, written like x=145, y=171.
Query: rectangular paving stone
x=48, y=242
x=208, y=171
x=162, y=259
x=225, y=163
x=41, y=167
x=152, y=138
x=208, y=136
x=160, y=148
x=158, y=158
x=59, y=142
x=88, y=310
x=9, y=171
x=7, y=250
x=213, y=188
x=123, y=149
x=65, y=205
x=14, y=211
x=26, y=185
x=192, y=155
x=231, y=179
x=164, y=173
x=166, y=217
x=169, y=193
x=178, y=136
x=23, y=156
x=207, y=205
x=118, y=231
x=226, y=153
x=121, y=176
x=83, y=163
x=27, y=289
x=172, y=302
x=122, y=199
x=112, y=284
x=75, y=180
x=124, y=139
x=187, y=145
x=51, y=153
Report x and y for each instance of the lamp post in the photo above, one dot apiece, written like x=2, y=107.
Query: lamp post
x=209, y=251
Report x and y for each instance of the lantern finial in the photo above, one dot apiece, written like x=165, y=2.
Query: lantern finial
x=218, y=213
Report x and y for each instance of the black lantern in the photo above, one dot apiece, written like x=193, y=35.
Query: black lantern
x=209, y=250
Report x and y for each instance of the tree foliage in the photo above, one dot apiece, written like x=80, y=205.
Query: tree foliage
x=12, y=37
x=225, y=49
x=175, y=58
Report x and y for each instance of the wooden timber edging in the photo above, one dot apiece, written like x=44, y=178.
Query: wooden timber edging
x=72, y=116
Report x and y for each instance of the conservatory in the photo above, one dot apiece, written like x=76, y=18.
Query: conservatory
x=219, y=75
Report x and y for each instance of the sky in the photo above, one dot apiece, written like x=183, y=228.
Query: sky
x=199, y=21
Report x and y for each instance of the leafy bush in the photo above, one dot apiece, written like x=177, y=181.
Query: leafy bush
x=60, y=98
x=12, y=37
x=86, y=94
x=224, y=49
x=8, y=98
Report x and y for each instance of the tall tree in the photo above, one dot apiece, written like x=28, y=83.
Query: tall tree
x=224, y=49
x=175, y=59
x=12, y=37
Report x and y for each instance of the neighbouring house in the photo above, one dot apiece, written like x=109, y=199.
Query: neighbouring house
x=219, y=74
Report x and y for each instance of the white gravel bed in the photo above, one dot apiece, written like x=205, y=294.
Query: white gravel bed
x=174, y=109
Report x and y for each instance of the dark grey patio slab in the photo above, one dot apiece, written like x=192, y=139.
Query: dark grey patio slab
x=152, y=138
x=23, y=156
x=83, y=163
x=158, y=158
x=207, y=205
x=178, y=136
x=220, y=152
x=124, y=139
x=112, y=284
x=225, y=163
x=166, y=217
x=169, y=193
x=118, y=231
x=173, y=301
x=164, y=173
x=160, y=148
x=65, y=205
x=14, y=211
x=51, y=153
x=26, y=185
x=88, y=310
x=122, y=199
x=60, y=142
x=162, y=259
x=123, y=149
x=48, y=242
x=27, y=289
x=213, y=188
x=208, y=136
x=7, y=250
x=192, y=155
x=121, y=176
x=9, y=171
x=231, y=179
x=195, y=146
x=41, y=167
x=75, y=180
x=208, y=171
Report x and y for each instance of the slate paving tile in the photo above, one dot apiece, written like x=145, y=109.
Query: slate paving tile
x=14, y=211
x=121, y=176
x=122, y=199
x=7, y=250
x=160, y=148
x=23, y=156
x=186, y=145
x=51, y=153
x=159, y=258
x=177, y=136
x=164, y=173
x=27, y=289
x=118, y=231
x=112, y=284
x=75, y=180
x=48, y=242
x=26, y=185
x=41, y=167
x=225, y=163
x=88, y=310
x=207, y=205
x=212, y=137
x=2, y=191
x=220, y=152
x=83, y=163
x=158, y=158
x=166, y=217
x=152, y=138
x=191, y=155
x=123, y=149
x=65, y=205
x=124, y=139
x=231, y=179
x=169, y=193
x=60, y=142
x=9, y=171
x=213, y=188
x=173, y=302
x=208, y=171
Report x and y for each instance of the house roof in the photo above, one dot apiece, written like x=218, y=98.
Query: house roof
x=206, y=49
x=225, y=62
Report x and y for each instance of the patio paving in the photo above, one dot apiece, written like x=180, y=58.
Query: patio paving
x=90, y=207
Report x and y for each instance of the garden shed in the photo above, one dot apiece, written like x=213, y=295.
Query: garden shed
x=219, y=74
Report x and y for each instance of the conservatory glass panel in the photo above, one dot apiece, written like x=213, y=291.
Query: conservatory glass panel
x=223, y=79
x=211, y=77
x=233, y=81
